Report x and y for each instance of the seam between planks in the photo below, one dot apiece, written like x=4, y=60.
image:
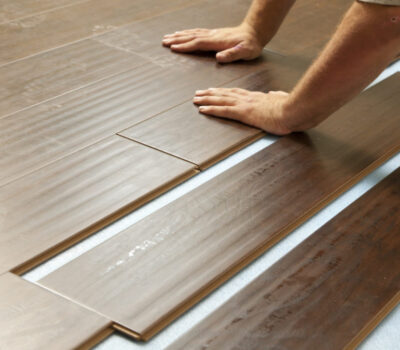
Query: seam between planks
x=102, y=33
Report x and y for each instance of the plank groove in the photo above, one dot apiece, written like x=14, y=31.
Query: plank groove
x=202, y=140
x=42, y=77
x=25, y=37
x=327, y=293
x=59, y=204
x=33, y=318
x=149, y=274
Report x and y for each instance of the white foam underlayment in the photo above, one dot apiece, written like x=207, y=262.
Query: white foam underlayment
x=384, y=337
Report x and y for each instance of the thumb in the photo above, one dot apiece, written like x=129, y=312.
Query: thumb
x=232, y=54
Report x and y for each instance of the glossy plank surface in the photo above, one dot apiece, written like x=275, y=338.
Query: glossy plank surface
x=78, y=195
x=327, y=293
x=308, y=27
x=33, y=318
x=51, y=130
x=44, y=76
x=31, y=35
x=146, y=276
x=202, y=140
x=11, y=10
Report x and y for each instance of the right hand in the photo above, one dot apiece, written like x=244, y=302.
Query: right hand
x=231, y=44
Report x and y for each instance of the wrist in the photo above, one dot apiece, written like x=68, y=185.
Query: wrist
x=261, y=38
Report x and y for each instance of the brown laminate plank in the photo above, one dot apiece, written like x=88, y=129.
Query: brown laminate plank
x=59, y=204
x=202, y=140
x=149, y=274
x=37, y=136
x=327, y=293
x=145, y=37
x=16, y=9
x=33, y=80
x=308, y=27
x=33, y=34
x=33, y=318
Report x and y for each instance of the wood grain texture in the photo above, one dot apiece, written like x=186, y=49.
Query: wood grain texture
x=33, y=34
x=145, y=37
x=53, y=129
x=71, y=198
x=328, y=293
x=16, y=9
x=202, y=140
x=33, y=318
x=149, y=274
x=308, y=27
x=44, y=76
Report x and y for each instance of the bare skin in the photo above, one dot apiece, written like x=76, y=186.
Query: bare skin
x=366, y=41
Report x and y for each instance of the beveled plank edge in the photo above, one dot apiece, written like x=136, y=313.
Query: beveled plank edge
x=246, y=260
x=96, y=338
x=79, y=236
x=373, y=323
x=106, y=31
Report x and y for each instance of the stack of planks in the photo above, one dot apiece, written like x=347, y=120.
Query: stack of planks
x=96, y=119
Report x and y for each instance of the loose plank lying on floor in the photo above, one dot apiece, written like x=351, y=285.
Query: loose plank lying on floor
x=79, y=194
x=39, y=135
x=33, y=34
x=327, y=293
x=33, y=318
x=47, y=75
x=309, y=26
x=203, y=140
x=147, y=275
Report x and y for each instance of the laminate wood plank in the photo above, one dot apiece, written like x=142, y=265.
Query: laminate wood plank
x=33, y=34
x=59, y=204
x=33, y=80
x=308, y=27
x=327, y=293
x=145, y=37
x=11, y=10
x=202, y=140
x=33, y=318
x=49, y=131
x=146, y=276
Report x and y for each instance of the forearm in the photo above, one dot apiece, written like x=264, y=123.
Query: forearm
x=266, y=16
x=366, y=41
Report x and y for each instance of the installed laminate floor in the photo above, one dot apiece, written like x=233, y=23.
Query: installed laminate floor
x=25, y=37
x=158, y=268
x=33, y=318
x=202, y=140
x=327, y=293
x=71, y=198
x=44, y=76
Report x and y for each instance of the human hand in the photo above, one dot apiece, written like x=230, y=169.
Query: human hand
x=231, y=44
x=262, y=110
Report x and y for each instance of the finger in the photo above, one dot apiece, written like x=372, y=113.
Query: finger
x=193, y=45
x=280, y=93
x=230, y=112
x=235, y=92
x=214, y=101
x=187, y=32
x=232, y=54
x=178, y=40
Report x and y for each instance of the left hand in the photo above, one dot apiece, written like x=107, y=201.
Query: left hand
x=262, y=110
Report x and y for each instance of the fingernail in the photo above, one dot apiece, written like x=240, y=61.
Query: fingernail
x=201, y=109
x=196, y=98
x=198, y=92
